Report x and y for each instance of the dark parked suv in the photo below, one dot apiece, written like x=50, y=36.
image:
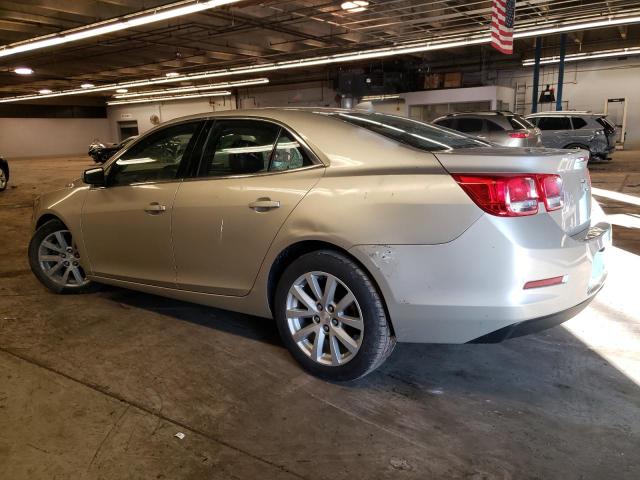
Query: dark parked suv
x=500, y=127
x=572, y=129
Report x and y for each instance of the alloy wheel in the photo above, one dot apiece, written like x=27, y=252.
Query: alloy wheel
x=324, y=318
x=59, y=259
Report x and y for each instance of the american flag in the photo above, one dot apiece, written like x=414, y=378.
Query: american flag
x=503, y=13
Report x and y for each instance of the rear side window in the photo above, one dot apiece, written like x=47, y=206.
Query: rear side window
x=409, y=132
x=493, y=127
x=288, y=154
x=578, y=122
x=519, y=123
x=238, y=147
x=469, y=125
x=554, y=123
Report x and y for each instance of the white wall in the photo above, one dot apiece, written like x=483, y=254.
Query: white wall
x=308, y=94
x=305, y=94
x=491, y=93
x=35, y=137
x=586, y=86
x=165, y=111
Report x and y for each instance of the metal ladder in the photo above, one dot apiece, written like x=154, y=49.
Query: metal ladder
x=521, y=99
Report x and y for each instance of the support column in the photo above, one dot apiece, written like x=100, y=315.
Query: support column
x=563, y=51
x=536, y=76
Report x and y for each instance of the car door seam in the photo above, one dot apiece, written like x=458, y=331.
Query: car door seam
x=173, y=246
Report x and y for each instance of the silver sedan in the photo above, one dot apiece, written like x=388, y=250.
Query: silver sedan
x=353, y=230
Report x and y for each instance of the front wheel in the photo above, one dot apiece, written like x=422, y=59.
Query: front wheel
x=331, y=318
x=56, y=261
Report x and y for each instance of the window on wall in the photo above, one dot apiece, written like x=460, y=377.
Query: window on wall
x=127, y=129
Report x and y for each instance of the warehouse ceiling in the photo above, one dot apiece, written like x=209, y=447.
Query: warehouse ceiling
x=253, y=32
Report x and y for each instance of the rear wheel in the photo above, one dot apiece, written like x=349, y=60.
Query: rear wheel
x=55, y=259
x=331, y=318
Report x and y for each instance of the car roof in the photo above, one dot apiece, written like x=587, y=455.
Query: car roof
x=274, y=113
x=488, y=113
x=565, y=113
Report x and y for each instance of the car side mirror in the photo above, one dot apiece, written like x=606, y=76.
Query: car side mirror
x=94, y=177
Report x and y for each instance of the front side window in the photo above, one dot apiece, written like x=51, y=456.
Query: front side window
x=156, y=157
x=408, y=131
x=554, y=123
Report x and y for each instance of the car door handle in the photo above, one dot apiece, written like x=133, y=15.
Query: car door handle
x=154, y=208
x=264, y=204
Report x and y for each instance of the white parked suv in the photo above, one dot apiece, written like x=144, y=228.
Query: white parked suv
x=573, y=129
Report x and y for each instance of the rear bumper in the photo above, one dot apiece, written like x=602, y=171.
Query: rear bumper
x=472, y=287
x=535, y=325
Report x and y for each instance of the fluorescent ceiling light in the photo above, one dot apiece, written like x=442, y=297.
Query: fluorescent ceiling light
x=620, y=52
x=168, y=98
x=145, y=17
x=370, y=98
x=120, y=86
x=23, y=71
x=402, y=49
x=195, y=88
x=122, y=90
x=172, y=74
x=44, y=91
x=355, y=6
x=87, y=85
x=562, y=28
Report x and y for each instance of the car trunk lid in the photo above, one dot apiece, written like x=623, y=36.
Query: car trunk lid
x=570, y=165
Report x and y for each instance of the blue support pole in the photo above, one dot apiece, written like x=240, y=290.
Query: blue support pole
x=536, y=76
x=563, y=51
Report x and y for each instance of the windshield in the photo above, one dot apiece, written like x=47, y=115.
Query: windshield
x=410, y=132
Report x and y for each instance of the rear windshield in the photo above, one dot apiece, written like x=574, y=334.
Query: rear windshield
x=519, y=123
x=608, y=126
x=410, y=132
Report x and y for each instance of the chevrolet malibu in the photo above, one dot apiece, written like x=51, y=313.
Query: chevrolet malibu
x=353, y=230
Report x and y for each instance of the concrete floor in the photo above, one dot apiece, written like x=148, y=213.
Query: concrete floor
x=96, y=386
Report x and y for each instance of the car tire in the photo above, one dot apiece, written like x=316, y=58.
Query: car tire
x=583, y=147
x=4, y=179
x=55, y=260
x=363, y=320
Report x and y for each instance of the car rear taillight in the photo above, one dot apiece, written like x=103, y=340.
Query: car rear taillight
x=519, y=134
x=552, y=193
x=513, y=195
